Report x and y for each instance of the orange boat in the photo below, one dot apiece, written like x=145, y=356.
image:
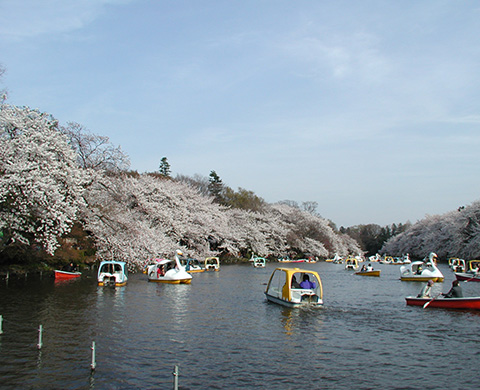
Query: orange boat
x=65, y=275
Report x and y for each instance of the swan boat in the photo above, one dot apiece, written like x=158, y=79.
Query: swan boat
x=470, y=303
x=422, y=271
x=212, y=264
x=283, y=288
x=112, y=273
x=169, y=271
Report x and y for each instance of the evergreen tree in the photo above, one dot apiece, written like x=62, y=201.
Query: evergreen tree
x=164, y=167
x=215, y=186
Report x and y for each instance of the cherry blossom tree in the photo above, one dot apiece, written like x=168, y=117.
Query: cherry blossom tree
x=453, y=234
x=137, y=217
x=95, y=151
x=40, y=183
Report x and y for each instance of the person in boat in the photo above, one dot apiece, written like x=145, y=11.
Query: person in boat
x=160, y=271
x=295, y=284
x=364, y=268
x=425, y=292
x=306, y=283
x=419, y=269
x=455, y=291
x=369, y=268
x=71, y=267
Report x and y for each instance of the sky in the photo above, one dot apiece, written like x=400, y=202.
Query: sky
x=369, y=108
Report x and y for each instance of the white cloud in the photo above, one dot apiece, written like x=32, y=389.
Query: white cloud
x=28, y=18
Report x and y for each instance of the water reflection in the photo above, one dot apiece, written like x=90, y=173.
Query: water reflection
x=223, y=334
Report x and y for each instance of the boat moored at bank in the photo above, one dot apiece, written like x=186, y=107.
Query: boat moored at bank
x=293, y=287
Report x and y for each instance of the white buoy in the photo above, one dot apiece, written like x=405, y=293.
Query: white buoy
x=40, y=331
x=94, y=363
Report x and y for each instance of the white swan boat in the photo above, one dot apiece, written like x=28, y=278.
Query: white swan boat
x=112, y=273
x=422, y=271
x=169, y=271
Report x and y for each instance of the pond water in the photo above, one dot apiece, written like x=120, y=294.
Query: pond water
x=222, y=334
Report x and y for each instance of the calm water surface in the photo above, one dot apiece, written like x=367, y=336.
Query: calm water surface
x=222, y=334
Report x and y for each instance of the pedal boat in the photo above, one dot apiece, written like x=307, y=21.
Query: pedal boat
x=169, y=271
x=212, y=264
x=192, y=265
x=258, y=262
x=351, y=263
x=112, y=273
x=466, y=303
x=422, y=271
x=281, y=290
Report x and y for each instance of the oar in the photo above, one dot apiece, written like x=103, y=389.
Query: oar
x=431, y=300
x=475, y=277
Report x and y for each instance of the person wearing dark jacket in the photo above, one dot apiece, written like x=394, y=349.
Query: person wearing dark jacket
x=455, y=291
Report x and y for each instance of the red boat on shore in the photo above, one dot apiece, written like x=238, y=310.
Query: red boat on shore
x=469, y=303
x=65, y=275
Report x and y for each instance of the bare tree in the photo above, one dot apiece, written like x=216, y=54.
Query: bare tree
x=95, y=151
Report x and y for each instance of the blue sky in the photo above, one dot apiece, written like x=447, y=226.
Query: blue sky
x=370, y=108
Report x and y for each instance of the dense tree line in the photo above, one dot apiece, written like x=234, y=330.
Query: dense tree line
x=372, y=237
x=453, y=234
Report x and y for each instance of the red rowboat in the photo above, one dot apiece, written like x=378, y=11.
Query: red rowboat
x=63, y=275
x=470, y=303
x=464, y=276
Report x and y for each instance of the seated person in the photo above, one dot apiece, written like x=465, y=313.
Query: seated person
x=455, y=291
x=425, y=292
x=295, y=284
x=306, y=283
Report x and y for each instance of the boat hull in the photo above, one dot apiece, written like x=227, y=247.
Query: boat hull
x=368, y=273
x=286, y=303
x=65, y=275
x=170, y=281
x=463, y=276
x=414, y=278
x=113, y=284
x=469, y=303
